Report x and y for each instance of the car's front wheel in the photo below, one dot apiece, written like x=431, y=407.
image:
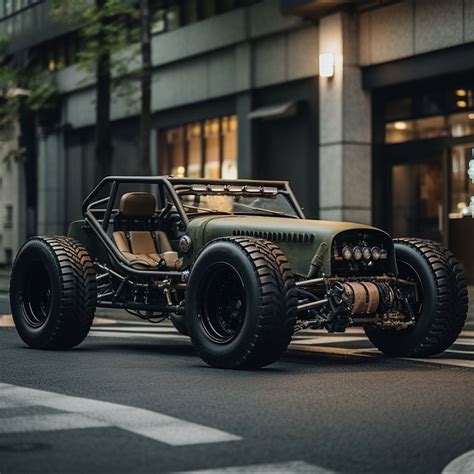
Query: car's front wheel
x=241, y=303
x=441, y=310
x=53, y=292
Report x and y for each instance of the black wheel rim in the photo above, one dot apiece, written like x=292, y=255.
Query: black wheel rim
x=36, y=294
x=221, y=307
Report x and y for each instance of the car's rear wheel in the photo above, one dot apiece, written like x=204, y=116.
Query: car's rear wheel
x=53, y=292
x=241, y=303
x=441, y=310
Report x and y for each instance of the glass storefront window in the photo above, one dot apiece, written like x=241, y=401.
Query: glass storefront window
x=212, y=140
x=229, y=138
x=454, y=125
x=175, y=148
x=194, y=137
x=200, y=149
x=399, y=108
x=462, y=188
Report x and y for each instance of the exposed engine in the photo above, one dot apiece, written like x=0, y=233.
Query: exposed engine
x=335, y=304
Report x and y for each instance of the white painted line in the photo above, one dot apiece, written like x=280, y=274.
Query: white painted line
x=328, y=340
x=455, y=351
x=274, y=468
x=464, y=341
x=462, y=465
x=156, y=426
x=130, y=335
x=454, y=362
x=56, y=421
x=331, y=350
x=158, y=330
x=467, y=333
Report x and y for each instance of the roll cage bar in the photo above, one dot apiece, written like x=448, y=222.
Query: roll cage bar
x=168, y=184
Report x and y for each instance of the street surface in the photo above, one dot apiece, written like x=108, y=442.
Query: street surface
x=134, y=397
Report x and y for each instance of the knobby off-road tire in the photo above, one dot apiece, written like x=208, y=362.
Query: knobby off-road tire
x=179, y=323
x=241, y=303
x=444, y=301
x=53, y=292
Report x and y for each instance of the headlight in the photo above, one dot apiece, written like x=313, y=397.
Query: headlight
x=346, y=253
x=366, y=253
x=375, y=253
x=357, y=252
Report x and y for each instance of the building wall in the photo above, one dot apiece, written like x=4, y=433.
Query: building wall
x=210, y=68
x=227, y=54
x=414, y=27
x=12, y=219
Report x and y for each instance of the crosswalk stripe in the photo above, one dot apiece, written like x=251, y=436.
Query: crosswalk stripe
x=331, y=350
x=293, y=467
x=147, y=335
x=462, y=465
x=328, y=340
x=57, y=421
x=158, y=329
x=437, y=360
x=464, y=341
x=156, y=426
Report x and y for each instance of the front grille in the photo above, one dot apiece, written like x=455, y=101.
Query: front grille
x=295, y=237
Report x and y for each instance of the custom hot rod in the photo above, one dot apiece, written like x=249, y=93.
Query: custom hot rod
x=235, y=265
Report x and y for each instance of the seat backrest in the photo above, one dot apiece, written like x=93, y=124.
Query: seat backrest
x=137, y=244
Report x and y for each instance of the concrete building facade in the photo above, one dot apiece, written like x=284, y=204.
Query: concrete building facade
x=384, y=138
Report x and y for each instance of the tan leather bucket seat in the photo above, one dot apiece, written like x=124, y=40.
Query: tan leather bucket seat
x=147, y=248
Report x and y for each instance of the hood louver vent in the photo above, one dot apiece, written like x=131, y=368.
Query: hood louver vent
x=302, y=238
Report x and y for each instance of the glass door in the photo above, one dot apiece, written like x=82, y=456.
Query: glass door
x=417, y=200
x=461, y=208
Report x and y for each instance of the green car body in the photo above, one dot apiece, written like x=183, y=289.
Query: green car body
x=299, y=239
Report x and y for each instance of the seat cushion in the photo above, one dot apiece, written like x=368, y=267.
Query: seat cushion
x=142, y=250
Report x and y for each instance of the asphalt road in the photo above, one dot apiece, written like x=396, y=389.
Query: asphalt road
x=332, y=404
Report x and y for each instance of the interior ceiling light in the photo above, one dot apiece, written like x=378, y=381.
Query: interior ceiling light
x=400, y=125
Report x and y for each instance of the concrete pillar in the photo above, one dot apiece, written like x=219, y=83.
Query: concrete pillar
x=51, y=184
x=344, y=126
x=245, y=138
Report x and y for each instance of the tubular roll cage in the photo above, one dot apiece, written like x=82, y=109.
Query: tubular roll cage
x=166, y=183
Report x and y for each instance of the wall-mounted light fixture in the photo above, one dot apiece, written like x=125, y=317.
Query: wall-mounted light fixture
x=326, y=65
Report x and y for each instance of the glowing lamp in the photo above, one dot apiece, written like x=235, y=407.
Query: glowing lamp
x=326, y=65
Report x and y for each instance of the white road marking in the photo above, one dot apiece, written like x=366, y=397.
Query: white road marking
x=456, y=362
x=158, y=330
x=331, y=350
x=455, y=351
x=156, y=426
x=140, y=335
x=274, y=468
x=56, y=421
x=464, y=341
x=328, y=340
x=462, y=465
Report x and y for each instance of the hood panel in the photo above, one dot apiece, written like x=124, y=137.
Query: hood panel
x=299, y=239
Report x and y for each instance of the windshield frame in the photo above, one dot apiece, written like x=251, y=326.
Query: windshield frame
x=237, y=187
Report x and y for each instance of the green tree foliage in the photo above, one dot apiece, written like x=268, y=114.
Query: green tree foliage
x=28, y=89
x=110, y=35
